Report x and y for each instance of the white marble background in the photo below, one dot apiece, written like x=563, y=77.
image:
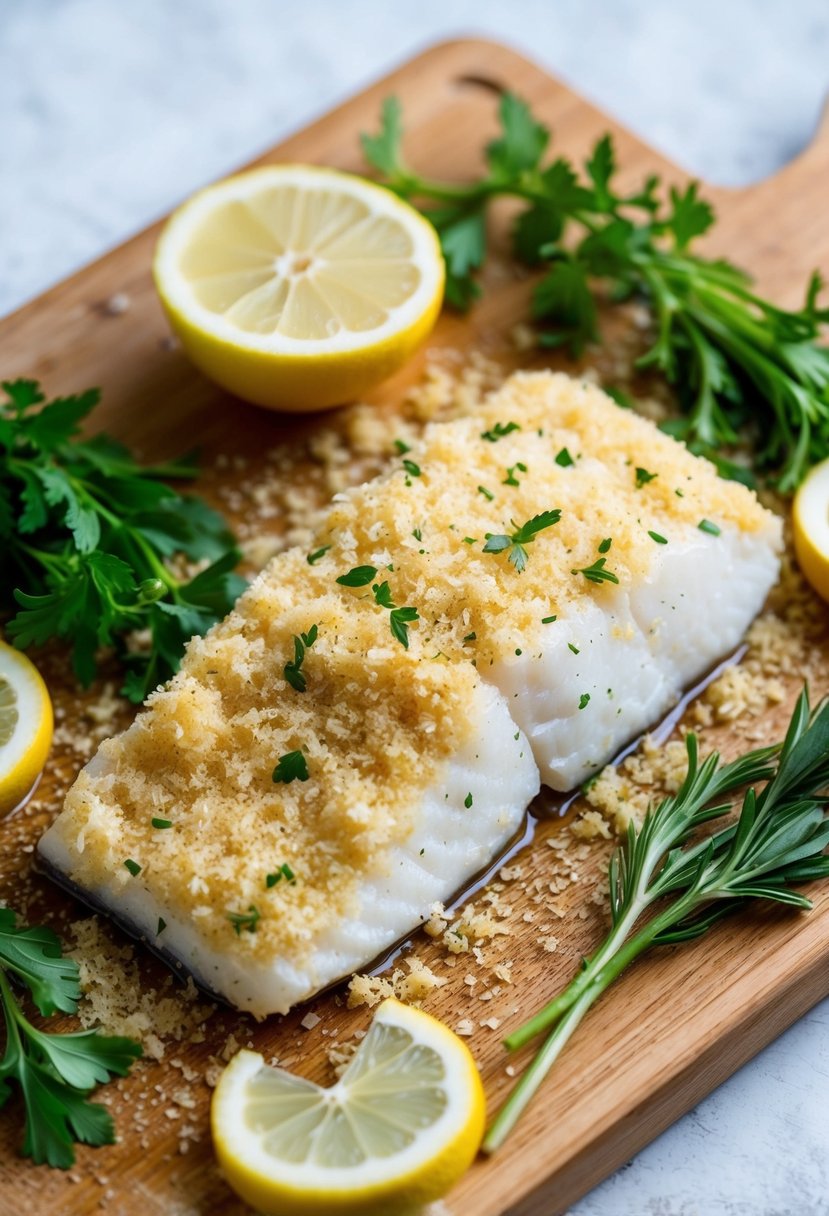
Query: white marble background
x=110, y=112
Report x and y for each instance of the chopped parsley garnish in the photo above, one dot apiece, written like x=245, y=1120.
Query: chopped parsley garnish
x=467, y=802
x=291, y=767
x=564, y=459
x=597, y=572
x=643, y=477
x=499, y=431
x=573, y=647
x=244, y=920
x=605, y=544
x=660, y=540
x=162, y=925
x=705, y=525
x=488, y=495
x=133, y=867
x=399, y=618
x=470, y=637
x=314, y=557
x=382, y=595
x=511, y=479
x=402, y=447
x=411, y=468
x=522, y=536
x=284, y=871
x=548, y=620
x=584, y=700
x=293, y=669
x=161, y=823
x=359, y=576
x=470, y=540
x=417, y=534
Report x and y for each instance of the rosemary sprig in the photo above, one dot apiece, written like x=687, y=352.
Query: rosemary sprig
x=688, y=885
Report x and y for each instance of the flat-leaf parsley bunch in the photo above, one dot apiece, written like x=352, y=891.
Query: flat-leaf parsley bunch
x=86, y=535
x=742, y=366
x=55, y=1073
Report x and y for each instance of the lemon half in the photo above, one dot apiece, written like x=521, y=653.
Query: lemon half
x=810, y=522
x=396, y=1131
x=298, y=287
x=25, y=726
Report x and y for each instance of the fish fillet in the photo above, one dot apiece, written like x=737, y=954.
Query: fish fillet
x=422, y=759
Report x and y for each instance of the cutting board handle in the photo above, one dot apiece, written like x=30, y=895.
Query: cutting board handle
x=808, y=167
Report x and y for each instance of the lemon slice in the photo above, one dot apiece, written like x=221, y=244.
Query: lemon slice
x=25, y=726
x=810, y=520
x=396, y=1131
x=298, y=287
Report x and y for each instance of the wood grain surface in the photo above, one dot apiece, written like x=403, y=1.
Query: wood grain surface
x=682, y=1020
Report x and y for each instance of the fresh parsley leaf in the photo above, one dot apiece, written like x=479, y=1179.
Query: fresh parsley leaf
x=284, y=871
x=705, y=525
x=87, y=534
x=522, y=143
x=499, y=431
x=522, y=535
x=360, y=576
x=382, y=595
x=382, y=151
x=293, y=668
x=399, y=618
x=564, y=459
x=597, y=573
x=399, y=621
x=291, y=767
x=643, y=477
x=317, y=555
x=604, y=546
x=655, y=536
x=584, y=700
x=245, y=920
x=745, y=370
x=411, y=468
x=55, y=1072
x=564, y=298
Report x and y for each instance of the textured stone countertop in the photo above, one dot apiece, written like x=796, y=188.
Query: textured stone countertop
x=110, y=113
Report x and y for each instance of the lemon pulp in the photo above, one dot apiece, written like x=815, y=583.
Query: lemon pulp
x=25, y=726
x=399, y=1127
x=810, y=522
x=297, y=286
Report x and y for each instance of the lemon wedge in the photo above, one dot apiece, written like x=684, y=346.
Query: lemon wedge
x=25, y=726
x=298, y=287
x=400, y=1126
x=810, y=521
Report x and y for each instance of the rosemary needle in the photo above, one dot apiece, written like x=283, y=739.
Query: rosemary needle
x=687, y=886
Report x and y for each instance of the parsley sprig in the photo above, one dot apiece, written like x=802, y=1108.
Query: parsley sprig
x=668, y=884
x=517, y=540
x=86, y=535
x=55, y=1072
x=742, y=366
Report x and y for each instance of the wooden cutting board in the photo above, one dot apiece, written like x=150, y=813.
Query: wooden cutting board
x=682, y=1020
